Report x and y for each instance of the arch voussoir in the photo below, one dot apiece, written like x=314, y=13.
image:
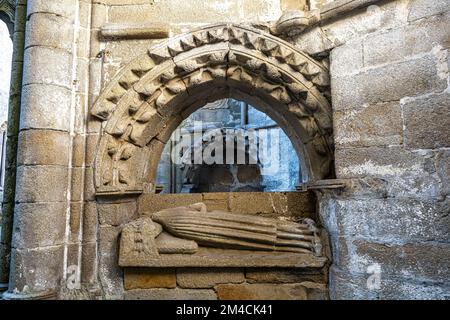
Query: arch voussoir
x=160, y=88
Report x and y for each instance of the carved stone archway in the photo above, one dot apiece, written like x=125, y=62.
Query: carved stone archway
x=150, y=97
x=7, y=11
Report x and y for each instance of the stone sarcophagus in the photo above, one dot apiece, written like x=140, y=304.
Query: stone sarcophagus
x=193, y=237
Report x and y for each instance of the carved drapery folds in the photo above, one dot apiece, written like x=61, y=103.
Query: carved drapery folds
x=150, y=97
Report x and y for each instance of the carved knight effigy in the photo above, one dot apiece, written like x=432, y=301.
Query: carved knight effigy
x=192, y=236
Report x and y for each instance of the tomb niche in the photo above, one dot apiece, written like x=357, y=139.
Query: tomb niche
x=152, y=95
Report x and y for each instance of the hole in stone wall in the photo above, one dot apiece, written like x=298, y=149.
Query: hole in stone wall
x=228, y=146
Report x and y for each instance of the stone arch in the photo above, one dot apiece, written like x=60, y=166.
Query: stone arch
x=150, y=97
x=7, y=11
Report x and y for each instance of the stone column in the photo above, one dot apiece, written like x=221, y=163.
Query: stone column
x=44, y=158
x=11, y=144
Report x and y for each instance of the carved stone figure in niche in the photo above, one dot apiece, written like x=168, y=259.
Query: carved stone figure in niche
x=236, y=231
x=195, y=232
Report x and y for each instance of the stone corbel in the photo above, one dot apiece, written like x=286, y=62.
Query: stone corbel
x=295, y=22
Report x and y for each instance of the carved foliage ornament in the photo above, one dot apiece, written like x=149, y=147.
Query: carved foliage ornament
x=174, y=78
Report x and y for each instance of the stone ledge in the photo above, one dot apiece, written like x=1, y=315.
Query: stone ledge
x=211, y=257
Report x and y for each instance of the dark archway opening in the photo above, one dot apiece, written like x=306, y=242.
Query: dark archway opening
x=228, y=146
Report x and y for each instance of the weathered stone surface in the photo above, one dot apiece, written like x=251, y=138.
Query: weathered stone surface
x=266, y=275
x=115, y=214
x=220, y=258
x=37, y=274
x=427, y=122
x=170, y=294
x=421, y=262
x=59, y=74
x=272, y=203
x=347, y=59
x=89, y=263
x=208, y=277
x=301, y=204
x=443, y=170
x=387, y=83
x=393, y=220
x=50, y=30
x=172, y=11
x=110, y=274
x=41, y=184
x=154, y=203
x=422, y=8
x=39, y=225
x=407, y=172
x=43, y=147
x=63, y=8
x=45, y=107
x=301, y=291
x=370, y=125
x=166, y=243
x=146, y=278
x=354, y=286
x=410, y=40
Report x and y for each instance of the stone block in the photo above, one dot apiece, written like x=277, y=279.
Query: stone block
x=148, y=278
x=393, y=220
x=64, y=8
x=116, y=214
x=387, y=83
x=39, y=225
x=427, y=122
x=43, y=147
x=407, y=173
x=349, y=286
x=370, y=125
x=41, y=184
x=300, y=291
x=89, y=263
x=49, y=30
x=45, y=107
x=150, y=203
x=421, y=262
x=90, y=222
x=422, y=8
x=50, y=66
x=196, y=11
x=347, y=59
x=110, y=274
x=170, y=294
x=78, y=150
x=216, y=201
x=76, y=214
x=208, y=277
x=77, y=184
x=124, y=51
x=262, y=275
x=251, y=203
x=89, y=187
x=413, y=39
x=443, y=170
x=38, y=270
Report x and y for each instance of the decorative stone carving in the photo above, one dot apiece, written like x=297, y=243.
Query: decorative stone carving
x=295, y=22
x=170, y=233
x=185, y=72
x=9, y=8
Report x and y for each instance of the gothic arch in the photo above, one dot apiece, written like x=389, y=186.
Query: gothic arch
x=150, y=97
